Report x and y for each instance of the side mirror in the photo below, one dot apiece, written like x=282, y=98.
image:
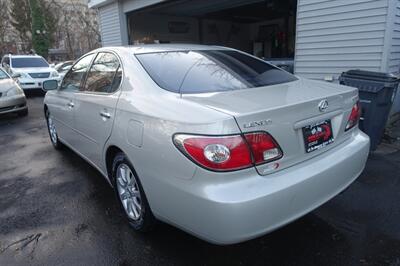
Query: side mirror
x=50, y=85
x=16, y=75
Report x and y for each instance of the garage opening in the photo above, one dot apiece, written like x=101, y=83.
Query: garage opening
x=265, y=29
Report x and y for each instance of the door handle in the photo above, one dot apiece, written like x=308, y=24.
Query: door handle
x=70, y=105
x=105, y=114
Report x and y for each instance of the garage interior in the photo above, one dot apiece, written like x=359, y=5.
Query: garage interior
x=263, y=28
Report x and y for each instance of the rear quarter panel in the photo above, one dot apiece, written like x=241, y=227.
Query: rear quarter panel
x=146, y=119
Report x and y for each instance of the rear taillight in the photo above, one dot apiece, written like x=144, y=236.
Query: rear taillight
x=354, y=116
x=264, y=148
x=228, y=153
x=217, y=153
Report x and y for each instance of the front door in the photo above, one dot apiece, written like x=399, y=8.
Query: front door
x=95, y=106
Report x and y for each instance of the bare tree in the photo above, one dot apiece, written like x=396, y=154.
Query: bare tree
x=4, y=25
x=77, y=29
x=20, y=19
x=87, y=18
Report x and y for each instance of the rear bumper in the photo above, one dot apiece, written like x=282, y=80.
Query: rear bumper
x=13, y=104
x=234, y=211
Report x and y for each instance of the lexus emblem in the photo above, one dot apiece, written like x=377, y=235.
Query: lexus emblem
x=323, y=105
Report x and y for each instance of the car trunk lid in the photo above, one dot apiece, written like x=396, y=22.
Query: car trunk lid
x=283, y=111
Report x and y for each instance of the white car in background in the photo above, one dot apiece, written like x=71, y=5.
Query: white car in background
x=32, y=70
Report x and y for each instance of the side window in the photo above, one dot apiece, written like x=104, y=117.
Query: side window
x=104, y=75
x=74, y=78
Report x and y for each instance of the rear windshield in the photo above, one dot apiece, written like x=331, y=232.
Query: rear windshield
x=29, y=62
x=210, y=71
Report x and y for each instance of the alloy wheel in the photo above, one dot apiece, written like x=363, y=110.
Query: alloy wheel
x=52, y=130
x=128, y=192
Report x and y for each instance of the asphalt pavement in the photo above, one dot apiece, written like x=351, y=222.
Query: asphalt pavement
x=55, y=209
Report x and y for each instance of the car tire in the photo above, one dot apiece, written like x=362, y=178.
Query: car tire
x=50, y=127
x=23, y=113
x=126, y=196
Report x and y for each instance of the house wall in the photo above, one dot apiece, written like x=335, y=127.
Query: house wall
x=392, y=46
x=113, y=25
x=337, y=35
x=394, y=38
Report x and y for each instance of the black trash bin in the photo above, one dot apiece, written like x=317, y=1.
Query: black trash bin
x=377, y=91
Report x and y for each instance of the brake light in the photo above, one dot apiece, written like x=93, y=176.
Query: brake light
x=263, y=147
x=223, y=153
x=228, y=153
x=354, y=116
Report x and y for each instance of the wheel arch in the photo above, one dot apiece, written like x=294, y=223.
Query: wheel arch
x=110, y=154
x=45, y=108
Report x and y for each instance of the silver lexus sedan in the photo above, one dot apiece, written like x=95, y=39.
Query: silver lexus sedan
x=211, y=140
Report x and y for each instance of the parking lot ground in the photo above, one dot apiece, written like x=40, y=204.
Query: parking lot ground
x=55, y=209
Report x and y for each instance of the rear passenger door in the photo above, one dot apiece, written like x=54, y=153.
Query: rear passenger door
x=95, y=105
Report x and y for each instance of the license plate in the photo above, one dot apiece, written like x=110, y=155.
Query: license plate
x=317, y=136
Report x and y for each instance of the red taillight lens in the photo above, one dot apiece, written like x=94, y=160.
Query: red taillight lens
x=354, y=116
x=217, y=153
x=264, y=147
x=227, y=153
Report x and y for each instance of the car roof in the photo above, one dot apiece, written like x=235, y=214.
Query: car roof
x=65, y=62
x=25, y=56
x=154, y=48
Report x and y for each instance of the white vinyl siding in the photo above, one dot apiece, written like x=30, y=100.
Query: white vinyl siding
x=337, y=35
x=394, y=54
x=110, y=25
x=392, y=62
